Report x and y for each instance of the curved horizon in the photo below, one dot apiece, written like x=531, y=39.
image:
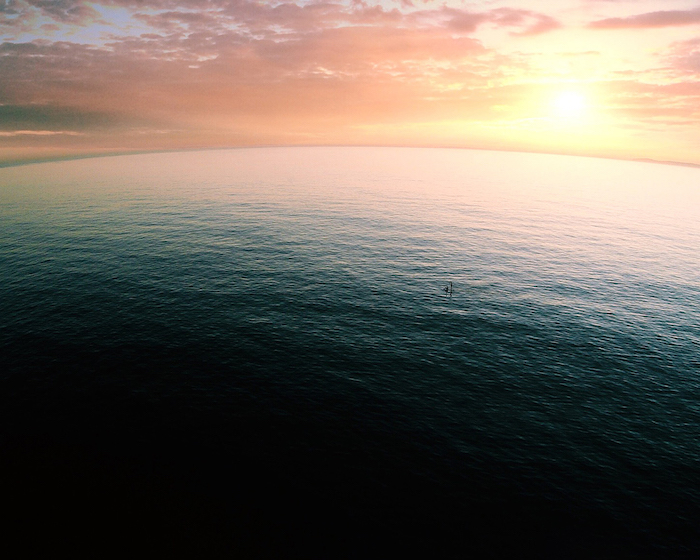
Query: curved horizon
x=80, y=156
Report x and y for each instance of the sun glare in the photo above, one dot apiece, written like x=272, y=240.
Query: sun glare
x=570, y=104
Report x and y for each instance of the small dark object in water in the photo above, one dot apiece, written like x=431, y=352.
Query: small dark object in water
x=448, y=289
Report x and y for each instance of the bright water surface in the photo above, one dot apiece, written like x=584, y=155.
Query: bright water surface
x=285, y=307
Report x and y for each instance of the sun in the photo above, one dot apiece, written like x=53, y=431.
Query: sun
x=570, y=104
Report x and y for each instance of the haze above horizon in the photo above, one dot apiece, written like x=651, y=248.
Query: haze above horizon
x=585, y=77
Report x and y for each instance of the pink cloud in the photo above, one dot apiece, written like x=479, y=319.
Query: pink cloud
x=650, y=19
x=529, y=22
x=684, y=57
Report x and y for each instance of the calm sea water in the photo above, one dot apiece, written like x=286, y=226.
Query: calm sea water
x=252, y=351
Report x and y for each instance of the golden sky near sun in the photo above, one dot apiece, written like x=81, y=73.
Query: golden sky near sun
x=594, y=77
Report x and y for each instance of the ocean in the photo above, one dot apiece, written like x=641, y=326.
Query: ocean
x=251, y=352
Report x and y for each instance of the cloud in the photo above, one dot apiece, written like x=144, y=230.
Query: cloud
x=15, y=16
x=644, y=103
x=55, y=119
x=38, y=133
x=649, y=20
x=242, y=41
x=531, y=23
x=283, y=15
x=223, y=76
x=246, y=69
x=9, y=7
x=65, y=10
x=684, y=57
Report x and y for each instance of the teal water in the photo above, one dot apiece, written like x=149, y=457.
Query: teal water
x=263, y=334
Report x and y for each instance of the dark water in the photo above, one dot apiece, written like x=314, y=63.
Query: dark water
x=249, y=352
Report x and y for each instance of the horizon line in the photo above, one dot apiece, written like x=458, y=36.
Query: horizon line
x=71, y=157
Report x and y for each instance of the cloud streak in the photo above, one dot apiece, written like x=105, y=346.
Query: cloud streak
x=664, y=18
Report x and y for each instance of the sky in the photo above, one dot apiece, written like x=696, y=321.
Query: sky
x=610, y=78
